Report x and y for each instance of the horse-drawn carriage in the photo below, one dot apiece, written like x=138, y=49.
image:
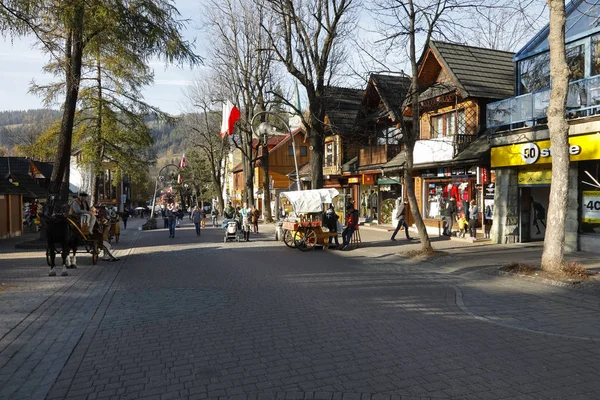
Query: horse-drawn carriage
x=305, y=229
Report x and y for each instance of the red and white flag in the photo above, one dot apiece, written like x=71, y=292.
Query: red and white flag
x=230, y=115
x=182, y=162
x=179, y=179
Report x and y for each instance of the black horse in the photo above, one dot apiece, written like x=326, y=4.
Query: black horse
x=59, y=229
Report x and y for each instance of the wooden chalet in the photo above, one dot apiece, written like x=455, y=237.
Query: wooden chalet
x=452, y=156
x=281, y=167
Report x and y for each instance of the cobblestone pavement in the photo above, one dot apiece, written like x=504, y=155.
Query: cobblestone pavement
x=192, y=317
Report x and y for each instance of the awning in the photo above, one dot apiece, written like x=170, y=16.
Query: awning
x=387, y=181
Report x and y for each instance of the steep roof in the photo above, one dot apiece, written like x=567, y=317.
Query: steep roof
x=341, y=108
x=392, y=91
x=477, y=72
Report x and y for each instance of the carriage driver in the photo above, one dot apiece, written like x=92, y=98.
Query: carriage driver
x=81, y=207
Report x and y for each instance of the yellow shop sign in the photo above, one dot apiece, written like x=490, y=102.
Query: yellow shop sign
x=529, y=177
x=584, y=147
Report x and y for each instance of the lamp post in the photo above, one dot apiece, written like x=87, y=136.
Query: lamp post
x=156, y=187
x=265, y=127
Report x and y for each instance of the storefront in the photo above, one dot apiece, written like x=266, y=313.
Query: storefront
x=439, y=185
x=368, y=198
x=521, y=212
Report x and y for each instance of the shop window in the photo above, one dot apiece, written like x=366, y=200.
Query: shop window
x=434, y=197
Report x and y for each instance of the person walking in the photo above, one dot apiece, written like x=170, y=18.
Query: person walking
x=449, y=215
x=214, y=214
x=351, y=226
x=400, y=215
x=196, y=218
x=255, y=219
x=124, y=218
x=473, y=217
x=246, y=217
x=203, y=218
x=488, y=219
x=331, y=223
x=171, y=214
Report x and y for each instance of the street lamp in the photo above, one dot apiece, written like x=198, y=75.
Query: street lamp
x=156, y=187
x=265, y=128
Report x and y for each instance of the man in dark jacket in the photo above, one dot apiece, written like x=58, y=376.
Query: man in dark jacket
x=331, y=222
x=449, y=215
x=351, y=226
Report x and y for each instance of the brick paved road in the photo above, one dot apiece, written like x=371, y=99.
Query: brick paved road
x=195, y=318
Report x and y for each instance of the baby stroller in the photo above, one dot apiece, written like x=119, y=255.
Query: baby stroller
x=231, y=232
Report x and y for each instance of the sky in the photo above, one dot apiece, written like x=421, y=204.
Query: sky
x=21, y=63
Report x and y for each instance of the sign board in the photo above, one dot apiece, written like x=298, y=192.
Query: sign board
x=489, y=190
x=368, y=180
x=354, y=179
x=528, y=177
x=458, y=171
x=123, y=198
x=590, y=206
x=581, y=148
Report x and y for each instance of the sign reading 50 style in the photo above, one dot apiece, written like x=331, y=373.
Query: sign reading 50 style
x=583, y=147
x=531, y=152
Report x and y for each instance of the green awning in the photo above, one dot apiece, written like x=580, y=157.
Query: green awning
x=387, y=181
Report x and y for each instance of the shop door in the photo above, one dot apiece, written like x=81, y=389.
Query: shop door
x=534, y=206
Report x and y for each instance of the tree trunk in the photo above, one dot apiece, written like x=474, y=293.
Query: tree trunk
x=97, y=162
x=413, y=136
x=317, y=147
x=248, y=195
x=73, y=57
x=554, y=240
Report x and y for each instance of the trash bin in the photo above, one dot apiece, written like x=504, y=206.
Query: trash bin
x=278, y=230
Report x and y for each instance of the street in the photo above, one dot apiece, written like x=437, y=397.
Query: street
x=193, y=317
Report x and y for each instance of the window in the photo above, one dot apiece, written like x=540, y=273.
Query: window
x=576, y=62
x=534, y=73
x=595, y=55
x=391, y=135
x=446, y=124
x=303, y=151
x=330, y=160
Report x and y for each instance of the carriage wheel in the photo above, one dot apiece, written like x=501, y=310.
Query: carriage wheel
x=48, y=257
x=95, y=252
x=288, y=238
x=306, y=239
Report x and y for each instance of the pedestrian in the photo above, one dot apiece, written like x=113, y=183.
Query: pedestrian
x=246, y=217
x=214, y=214
x=124, y=218
x=488, y=219
x=203, y=219
x=229, y=211
x=331, y=222
x=179, y=214
x=449, y=215
x=473, y=217
x=171, y=213
x=351, y=226
x=255, y=219
x=462, y=224
x=400, y=215
x=196, y=218
x=163, y=213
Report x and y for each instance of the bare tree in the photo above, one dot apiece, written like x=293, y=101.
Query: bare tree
x=554, y=241
x=244, y=72
x=205, y=125
x=308, y=41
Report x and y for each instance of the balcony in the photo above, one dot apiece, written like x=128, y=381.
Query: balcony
x=530, y=109
x=377, y=155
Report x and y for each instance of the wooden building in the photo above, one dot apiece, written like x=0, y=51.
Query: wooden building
x=452, y=156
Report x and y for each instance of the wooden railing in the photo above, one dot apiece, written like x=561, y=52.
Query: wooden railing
x=375, y=155
x=461, y=142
